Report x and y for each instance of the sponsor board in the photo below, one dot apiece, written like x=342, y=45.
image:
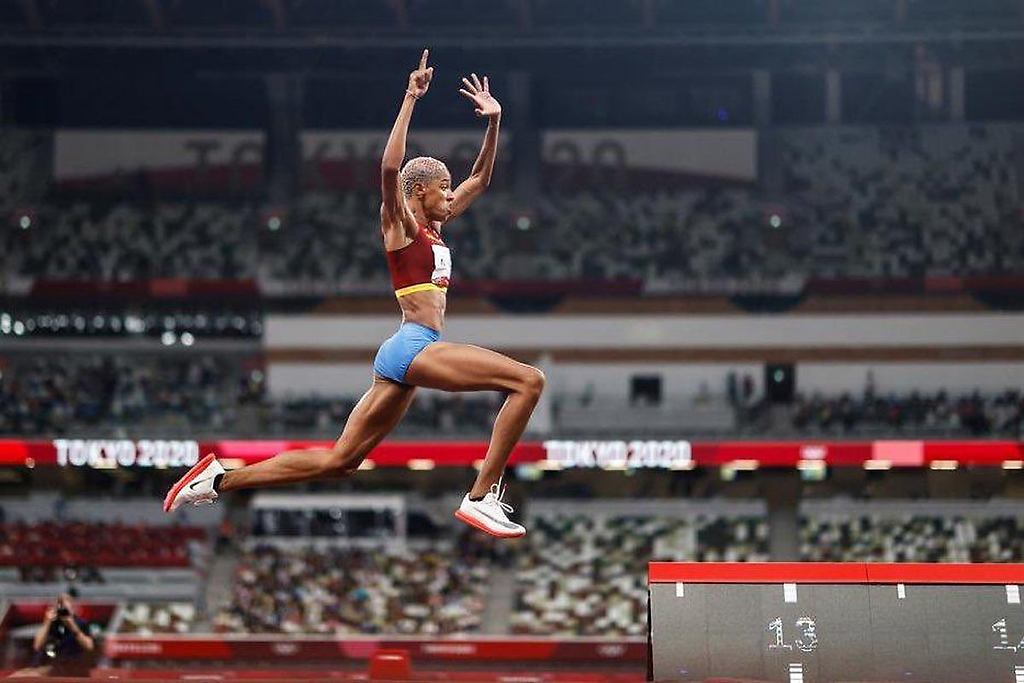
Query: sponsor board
x=606, y=454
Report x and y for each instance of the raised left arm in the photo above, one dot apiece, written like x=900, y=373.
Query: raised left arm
x=480, y=177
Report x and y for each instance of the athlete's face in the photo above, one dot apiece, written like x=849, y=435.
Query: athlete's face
x=436, y=198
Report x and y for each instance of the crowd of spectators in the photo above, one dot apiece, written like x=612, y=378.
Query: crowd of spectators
x=431, y=413
x=899, y=202
x=938, y=414
x=53, y=548
x=858, y=202
x=587, y=575
x=340, y=591
x=129, y=241
x=912, y=538
x=55, y=394
x=182, y=394
x=331, y=243
x=152, y=618
x=177, y=395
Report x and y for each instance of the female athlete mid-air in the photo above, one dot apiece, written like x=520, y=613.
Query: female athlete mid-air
x=418, y=201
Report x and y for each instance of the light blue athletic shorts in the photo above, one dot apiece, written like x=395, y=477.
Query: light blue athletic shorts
x=396, y=353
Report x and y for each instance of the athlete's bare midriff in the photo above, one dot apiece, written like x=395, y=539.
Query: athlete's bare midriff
x=424, y=308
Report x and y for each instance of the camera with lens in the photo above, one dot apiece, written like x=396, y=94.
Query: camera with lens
x=56, y=635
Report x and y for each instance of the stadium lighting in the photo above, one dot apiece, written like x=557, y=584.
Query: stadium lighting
x=683, y=465
x=744, y=465
x=134, y=324
x=421, y=464
x=549, y=465
x=728, y=470
x=168, y=338
x=187, y=339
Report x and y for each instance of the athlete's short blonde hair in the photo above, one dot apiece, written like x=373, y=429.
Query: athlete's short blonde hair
x=422, y=170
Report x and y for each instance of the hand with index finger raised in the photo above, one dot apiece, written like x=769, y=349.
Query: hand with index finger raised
x=419, y=79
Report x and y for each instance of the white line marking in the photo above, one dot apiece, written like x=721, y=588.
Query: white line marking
x=679, y=589
x=789, y=592
x=796, y=673
x=901, y=591
x=1013, y=595
x=1018, y=674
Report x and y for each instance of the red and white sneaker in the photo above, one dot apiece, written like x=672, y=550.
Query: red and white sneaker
x=196, y=486
x=490, y=514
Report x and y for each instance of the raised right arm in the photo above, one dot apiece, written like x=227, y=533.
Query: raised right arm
x=39, y=639
x=396, y=219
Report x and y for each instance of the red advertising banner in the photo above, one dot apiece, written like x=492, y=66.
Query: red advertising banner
x=509, y=674
x=551, y=455
x=508, y=649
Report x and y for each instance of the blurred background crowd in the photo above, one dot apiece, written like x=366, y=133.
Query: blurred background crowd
x=712, y=225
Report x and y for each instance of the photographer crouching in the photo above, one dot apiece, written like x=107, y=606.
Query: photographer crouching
x=62, y=646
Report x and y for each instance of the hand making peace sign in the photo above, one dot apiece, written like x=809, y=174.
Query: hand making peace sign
x=480, y=95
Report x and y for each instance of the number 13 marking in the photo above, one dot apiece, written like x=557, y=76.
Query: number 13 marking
x=807, y=628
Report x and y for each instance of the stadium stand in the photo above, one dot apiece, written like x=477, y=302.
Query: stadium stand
x=859, y=202
x=582, y=568
x=918, y=531
x=201, y=393
x=54, y=394
x=939, y=414
x=151, y=618
x=898, y=202
x=347, y=590
x=95, y=544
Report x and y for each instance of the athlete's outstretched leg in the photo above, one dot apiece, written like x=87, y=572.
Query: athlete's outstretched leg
x=373, y=418
x=463, y=367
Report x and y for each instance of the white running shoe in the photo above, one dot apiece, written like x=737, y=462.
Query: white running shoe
x=196, y=486
x=489, y=515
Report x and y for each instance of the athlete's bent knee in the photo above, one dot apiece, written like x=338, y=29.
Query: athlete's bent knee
x=532, y=382
x=342, y=462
